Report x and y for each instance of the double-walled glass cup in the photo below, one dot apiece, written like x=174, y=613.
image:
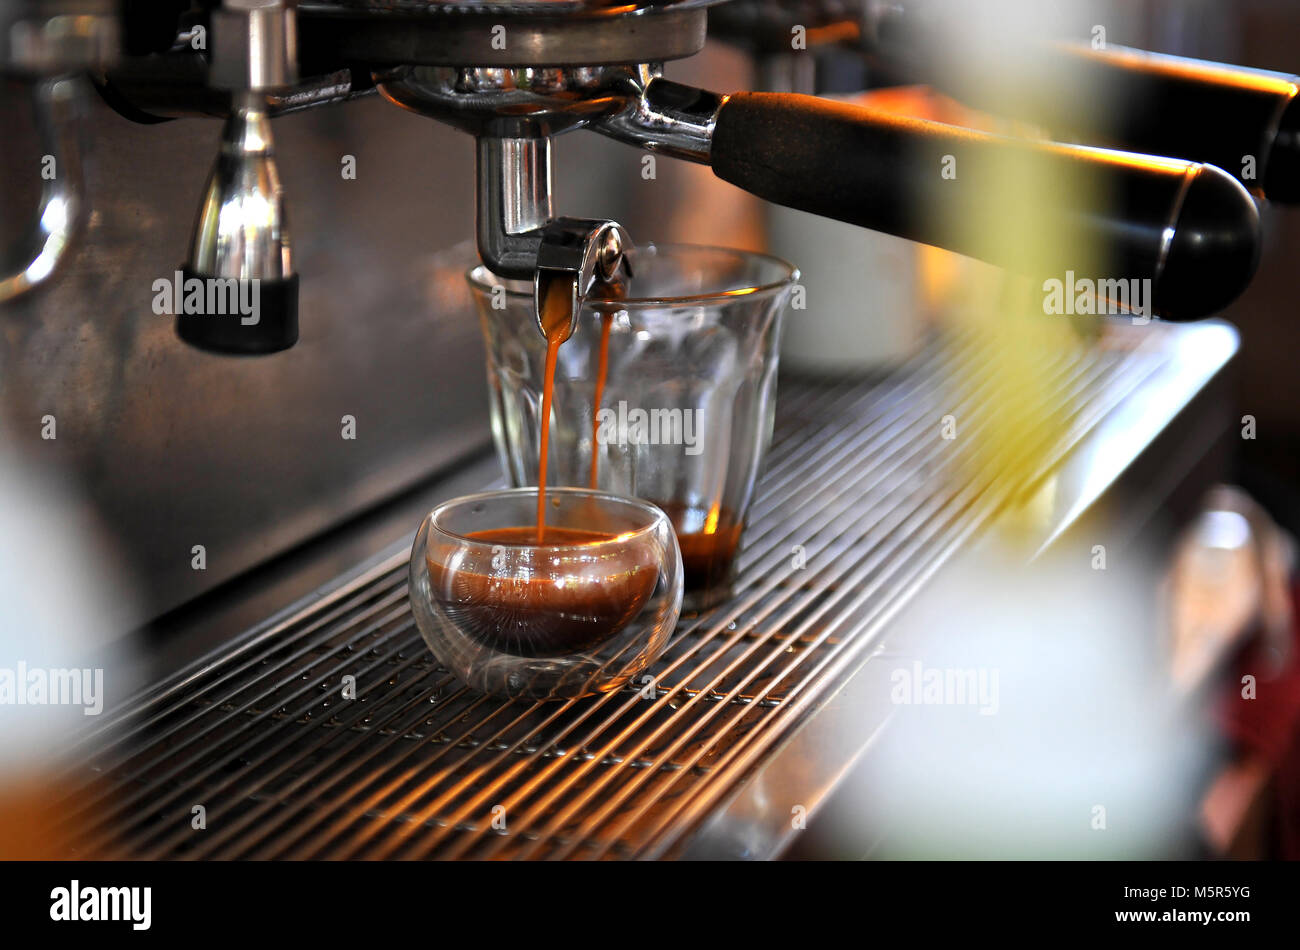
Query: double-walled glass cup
x=683, y=413
x=580, y=611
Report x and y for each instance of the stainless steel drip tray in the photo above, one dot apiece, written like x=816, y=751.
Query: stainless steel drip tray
x=749, y=697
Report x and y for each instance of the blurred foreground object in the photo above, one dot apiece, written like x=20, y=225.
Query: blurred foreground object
x=56, y=587
x=1233, y=635
x=871, y=295
x=1033, y=718
x=1229, y=579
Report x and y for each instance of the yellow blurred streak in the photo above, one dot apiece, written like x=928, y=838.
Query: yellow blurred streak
x=1010, y=347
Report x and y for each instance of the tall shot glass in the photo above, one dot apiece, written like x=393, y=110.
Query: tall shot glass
x=682, y=414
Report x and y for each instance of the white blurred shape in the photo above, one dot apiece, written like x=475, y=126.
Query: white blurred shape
x=1084, y=754
x=60, y=591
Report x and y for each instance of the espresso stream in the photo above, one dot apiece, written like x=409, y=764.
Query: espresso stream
x=706, y=554
x=534, y=614
x=556, y=314
x=602, y=371
x=570, y=601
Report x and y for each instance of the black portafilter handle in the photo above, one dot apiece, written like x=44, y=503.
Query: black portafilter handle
x=1230, y=116
x=241, y=316
x=1190, y=229
x=1246, y=121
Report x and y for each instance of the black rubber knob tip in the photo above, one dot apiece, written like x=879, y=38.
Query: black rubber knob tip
x=1214, y=250
x=239, y=317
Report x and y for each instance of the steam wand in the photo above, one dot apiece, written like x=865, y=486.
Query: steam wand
x=241, y=254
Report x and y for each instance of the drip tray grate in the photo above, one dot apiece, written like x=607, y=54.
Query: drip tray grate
x=859, y=486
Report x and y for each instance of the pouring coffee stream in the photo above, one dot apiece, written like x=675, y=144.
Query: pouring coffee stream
x=555, y=316
x=559, y=294
x=602, y=373
x=556, y=298
x=708, y=538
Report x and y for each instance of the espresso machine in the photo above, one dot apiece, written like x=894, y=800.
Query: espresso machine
x=535, y=71
x=192, y=426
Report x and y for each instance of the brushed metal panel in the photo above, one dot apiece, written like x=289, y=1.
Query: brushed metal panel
x=174, y=447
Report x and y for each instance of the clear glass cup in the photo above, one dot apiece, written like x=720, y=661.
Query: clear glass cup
x=686, y=407
x=582, y=612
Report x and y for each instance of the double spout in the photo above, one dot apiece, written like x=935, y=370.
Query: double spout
x=519, y=236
